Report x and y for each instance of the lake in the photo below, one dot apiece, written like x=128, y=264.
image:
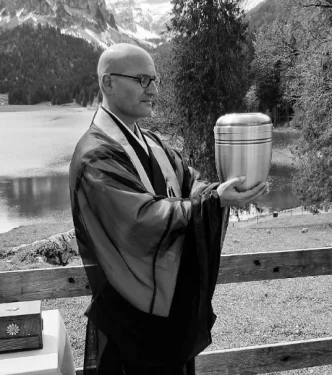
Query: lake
x=36, y=145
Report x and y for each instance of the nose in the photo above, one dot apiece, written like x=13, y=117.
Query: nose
x=152, y=89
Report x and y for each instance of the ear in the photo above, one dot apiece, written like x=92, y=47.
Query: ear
x=106, y=84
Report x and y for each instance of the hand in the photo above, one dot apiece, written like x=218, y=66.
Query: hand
x=229, y=197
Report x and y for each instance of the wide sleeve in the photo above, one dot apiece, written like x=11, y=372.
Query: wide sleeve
x=136, y=237
x=127, y=212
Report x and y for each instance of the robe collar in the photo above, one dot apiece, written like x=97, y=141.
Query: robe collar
x=104, y=121
x=136, y=134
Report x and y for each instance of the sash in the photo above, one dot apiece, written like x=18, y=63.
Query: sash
x=172, y=183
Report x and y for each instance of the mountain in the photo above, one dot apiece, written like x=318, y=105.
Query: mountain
x=103, y=22
x=43, y=60
x=88, y=19
x=147, y=19
x=265, y=12
x=144, y=19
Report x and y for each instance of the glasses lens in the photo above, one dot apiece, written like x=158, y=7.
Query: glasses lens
x=145, y=81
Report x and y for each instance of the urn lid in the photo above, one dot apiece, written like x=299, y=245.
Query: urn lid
x=243, y=119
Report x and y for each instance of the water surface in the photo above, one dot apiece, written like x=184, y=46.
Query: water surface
x=36, y=145
x=35, y=148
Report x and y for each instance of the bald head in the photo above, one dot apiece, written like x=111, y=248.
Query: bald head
x=120, y=70
x=120, y=58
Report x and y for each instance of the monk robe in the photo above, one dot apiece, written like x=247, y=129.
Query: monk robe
x=150, y=233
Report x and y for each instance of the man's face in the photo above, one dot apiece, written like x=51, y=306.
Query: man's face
x=129, y=100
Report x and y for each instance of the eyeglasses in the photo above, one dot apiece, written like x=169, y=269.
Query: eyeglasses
x=144, y=79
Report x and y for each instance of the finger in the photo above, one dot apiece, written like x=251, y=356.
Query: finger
x=236, y=181
x=268, y=186
x=252, y=195
x=252, y=198
x=252, y=192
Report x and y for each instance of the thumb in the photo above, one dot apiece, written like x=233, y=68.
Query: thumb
x=236, y=181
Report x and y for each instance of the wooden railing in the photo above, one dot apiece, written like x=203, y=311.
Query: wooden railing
x=38, y=284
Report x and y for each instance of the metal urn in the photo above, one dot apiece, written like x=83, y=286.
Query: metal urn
x=243, y=147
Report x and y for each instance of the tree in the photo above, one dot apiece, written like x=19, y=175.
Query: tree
x=77, y=98
x=301, y=40
x=17, y=96
x=275, y=48
x=85, y=98
x=165, y=107
x=251, y=100
x=313, y=112
x=100, y=97
x=91, y=96
x=210, y=71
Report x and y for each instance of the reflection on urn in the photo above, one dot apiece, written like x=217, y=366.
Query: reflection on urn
x=243, y=147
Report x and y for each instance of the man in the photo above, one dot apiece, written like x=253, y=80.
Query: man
x=148, y=229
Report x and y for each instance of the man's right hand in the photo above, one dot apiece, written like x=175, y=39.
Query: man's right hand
x=229, y=197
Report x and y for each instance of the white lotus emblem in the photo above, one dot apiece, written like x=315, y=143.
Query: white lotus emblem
x=13, y=329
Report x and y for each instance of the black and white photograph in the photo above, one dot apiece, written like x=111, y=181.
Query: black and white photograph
x=165, y=187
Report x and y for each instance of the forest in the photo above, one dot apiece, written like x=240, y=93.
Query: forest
x=41, y=64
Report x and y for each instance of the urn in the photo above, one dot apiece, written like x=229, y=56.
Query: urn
x=243, y=147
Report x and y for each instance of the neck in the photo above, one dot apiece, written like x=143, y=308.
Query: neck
x=128, y=122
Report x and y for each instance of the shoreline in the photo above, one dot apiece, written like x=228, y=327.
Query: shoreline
x=64, y=220
x=292, y=217
x=37, y=107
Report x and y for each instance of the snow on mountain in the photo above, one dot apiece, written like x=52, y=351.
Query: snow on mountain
x=160, y=13
x=142, y=17
x=88, y=19
x=140, y=33
x=147, y=18
x=247, y=5
x=86, y=34
x=99, y=21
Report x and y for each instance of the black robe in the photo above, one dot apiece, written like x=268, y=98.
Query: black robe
x=103, y=180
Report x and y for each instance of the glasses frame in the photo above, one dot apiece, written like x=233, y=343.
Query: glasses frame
x=156, y=80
